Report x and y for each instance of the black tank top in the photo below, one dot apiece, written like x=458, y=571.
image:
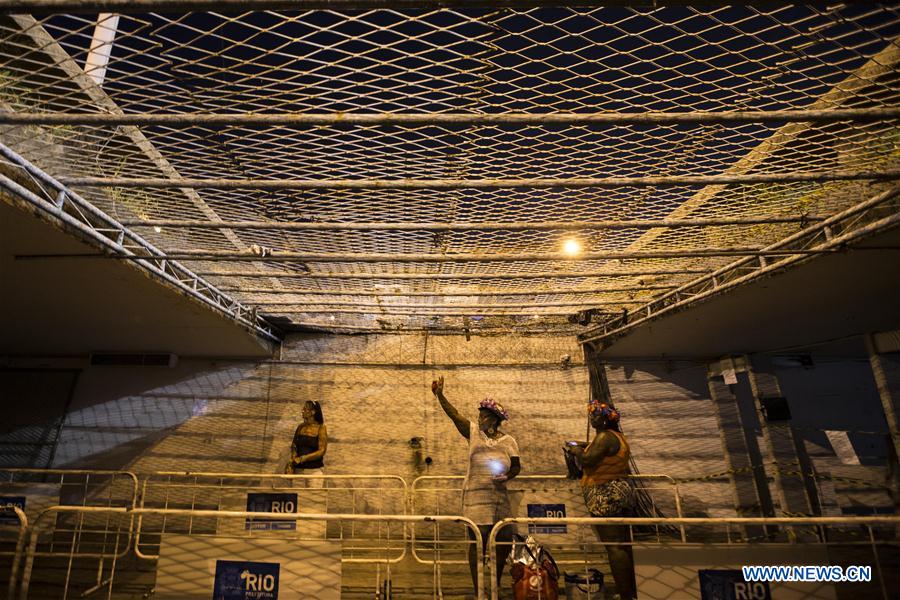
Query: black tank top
x=307, y=444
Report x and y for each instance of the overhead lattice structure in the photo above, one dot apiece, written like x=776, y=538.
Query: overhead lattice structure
x=422, y=168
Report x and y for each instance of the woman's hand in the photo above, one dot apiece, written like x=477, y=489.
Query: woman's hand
x=577, y=451
x=500, y=478
x=437, y=386
x=300, y=459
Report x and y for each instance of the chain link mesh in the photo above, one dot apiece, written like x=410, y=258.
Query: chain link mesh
x=478, y=61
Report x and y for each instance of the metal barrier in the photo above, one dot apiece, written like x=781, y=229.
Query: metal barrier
x=226, y=492
x=20, y=542
x=129, y=515
x=73, y=488
x=519, y=484
x=46, y=488
x=76, y=487
x=681, y=523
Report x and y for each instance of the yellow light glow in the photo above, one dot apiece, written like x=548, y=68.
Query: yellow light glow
x=571, y=247
x=157, y=229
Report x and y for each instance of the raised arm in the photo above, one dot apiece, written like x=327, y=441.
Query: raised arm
x=462, y=425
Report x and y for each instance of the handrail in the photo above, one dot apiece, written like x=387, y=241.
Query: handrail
x=30, y=554
x=415, y=487
x=678, y=521
x=403, y=489
x=20, y=542
x=88, y=472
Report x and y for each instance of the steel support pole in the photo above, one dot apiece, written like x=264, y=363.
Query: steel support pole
x=478, y=184
x=181, y=6
x=460, y=276
x=445, y=118
x=440, y=294
x=465, y=226
x=376, y=257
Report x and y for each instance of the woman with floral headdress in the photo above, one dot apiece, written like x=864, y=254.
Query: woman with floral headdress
x=493, y=460
x=607, y=491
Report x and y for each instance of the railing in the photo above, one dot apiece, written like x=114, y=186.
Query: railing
x=77, y=486
x=74, y=488
x=197, y=504
x=226, y=492
x=20, y=542
x=129, y=516
x=788, y=523
x=557, y=484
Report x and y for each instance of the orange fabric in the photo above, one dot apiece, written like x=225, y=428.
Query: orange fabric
x=611, y=467
x=535, y=583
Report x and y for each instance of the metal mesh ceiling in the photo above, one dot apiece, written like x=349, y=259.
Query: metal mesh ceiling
x=482, y=255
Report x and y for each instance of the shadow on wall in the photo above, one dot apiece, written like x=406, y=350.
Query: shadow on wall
x=375, y=394
x=121, y=413
x=668, y=419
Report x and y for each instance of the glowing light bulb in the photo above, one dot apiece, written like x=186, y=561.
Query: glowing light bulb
x=157, y=229
x=571, y=247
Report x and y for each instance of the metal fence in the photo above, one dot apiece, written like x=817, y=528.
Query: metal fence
x=128, y=517
x=866, y=541
x=442, y=495
x=221, y=493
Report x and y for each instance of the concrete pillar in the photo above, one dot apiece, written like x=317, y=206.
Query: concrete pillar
x=780, y=443
x=751, y=494
x=886, y=370
x=889, y=397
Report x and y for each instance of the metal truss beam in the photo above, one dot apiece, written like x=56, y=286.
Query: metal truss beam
x=459, y=276
x=76, y=213
x=465, y=226
x=442, y=312
x=820, y=237
x=377, y=257
x=180, y=6
x=450, y=118
x=473, y=184
x=453, y=294
x=488, y=308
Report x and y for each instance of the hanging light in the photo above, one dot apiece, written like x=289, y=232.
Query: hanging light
x=571, y=247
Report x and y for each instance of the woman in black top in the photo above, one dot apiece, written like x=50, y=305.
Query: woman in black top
x=310, y=442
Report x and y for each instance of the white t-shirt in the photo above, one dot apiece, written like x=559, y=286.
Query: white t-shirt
x=485, y=501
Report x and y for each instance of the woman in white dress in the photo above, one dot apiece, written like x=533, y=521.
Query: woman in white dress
x=493, y=460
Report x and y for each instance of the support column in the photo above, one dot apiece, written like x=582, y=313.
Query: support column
x=749, y=496
x=888, y=401
x=780, y=441
x=887, y=379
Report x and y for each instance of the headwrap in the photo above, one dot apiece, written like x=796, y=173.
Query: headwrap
x=495, y=407
x=606, y=411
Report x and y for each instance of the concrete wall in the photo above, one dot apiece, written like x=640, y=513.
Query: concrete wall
x=375, y=393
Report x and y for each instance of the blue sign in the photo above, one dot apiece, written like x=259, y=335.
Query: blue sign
x=276, y=503
x=245, y=580
x=729, y=584
x=8, y=518
x=552, y=511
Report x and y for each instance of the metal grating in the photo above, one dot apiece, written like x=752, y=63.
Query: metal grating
x=380, y=222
